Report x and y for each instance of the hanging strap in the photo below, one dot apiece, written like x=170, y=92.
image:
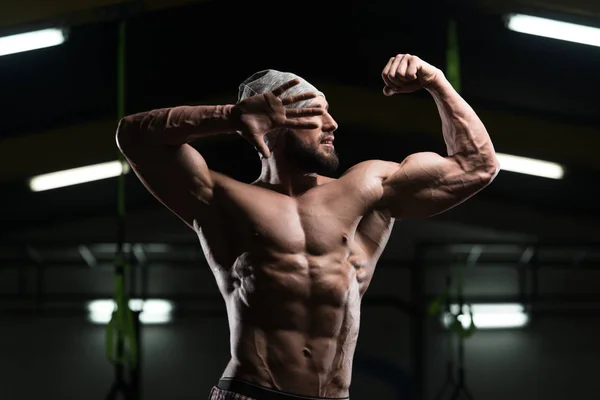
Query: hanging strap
x=453, y=56
x=121, y=343
x=450, y=384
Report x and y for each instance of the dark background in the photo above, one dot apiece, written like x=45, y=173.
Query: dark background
x=58, y=110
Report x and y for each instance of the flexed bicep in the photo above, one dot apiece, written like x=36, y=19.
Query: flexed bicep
x=426, y=184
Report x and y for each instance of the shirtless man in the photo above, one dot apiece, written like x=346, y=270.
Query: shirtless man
x=294, y=252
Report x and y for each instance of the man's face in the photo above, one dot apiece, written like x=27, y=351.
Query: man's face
x=312, y=150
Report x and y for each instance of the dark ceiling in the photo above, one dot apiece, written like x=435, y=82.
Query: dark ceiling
x=537, y=96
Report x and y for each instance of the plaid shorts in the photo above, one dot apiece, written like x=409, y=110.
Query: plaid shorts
x=233, y=389
x=220, y=394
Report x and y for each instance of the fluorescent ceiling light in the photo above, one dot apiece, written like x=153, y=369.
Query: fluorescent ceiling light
x=530, y=166
x=31, y=41
x=153, y=311
x=76, y=176
x=554, y=29
x=489, y=316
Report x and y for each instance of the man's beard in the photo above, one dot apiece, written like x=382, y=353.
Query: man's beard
x=308, y=158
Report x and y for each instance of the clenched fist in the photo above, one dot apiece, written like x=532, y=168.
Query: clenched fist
x=406, y=74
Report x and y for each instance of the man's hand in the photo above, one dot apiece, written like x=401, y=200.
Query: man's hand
x=264, y=112
x=406, y=74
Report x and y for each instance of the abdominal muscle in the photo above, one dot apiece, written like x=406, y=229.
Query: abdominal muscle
x=294, y=324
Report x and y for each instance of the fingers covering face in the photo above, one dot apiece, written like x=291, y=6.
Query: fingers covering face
x=298, y=97
x=304, y=112
x=293, y=114
x=289, y=84
x=300, y=124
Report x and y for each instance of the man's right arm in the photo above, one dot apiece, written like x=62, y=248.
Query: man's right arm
x=156, y=145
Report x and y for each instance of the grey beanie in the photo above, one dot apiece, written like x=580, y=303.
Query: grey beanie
x=269, y=80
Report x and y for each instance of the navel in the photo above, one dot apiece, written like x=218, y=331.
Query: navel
x=306, y=352
x=345, y=239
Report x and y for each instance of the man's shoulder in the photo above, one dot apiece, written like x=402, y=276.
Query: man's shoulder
x=366, y=178
x=371, y=169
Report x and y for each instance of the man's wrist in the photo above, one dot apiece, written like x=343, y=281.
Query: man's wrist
x=233, y=115
x=438, y=84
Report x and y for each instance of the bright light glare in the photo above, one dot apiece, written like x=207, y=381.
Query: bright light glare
x=76, y=176
x=153, y=311
x=31, y=41
x=554, y=29
x=490, y=316
x=530, y=166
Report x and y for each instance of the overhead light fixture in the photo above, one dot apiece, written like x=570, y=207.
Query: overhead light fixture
x=31, y=40
x=530, y=166
x=489, y=316
x=77, y=176
x=153, y=311
x=554, y=29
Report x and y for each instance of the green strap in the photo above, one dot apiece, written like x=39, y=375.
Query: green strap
x=121, y=77
x=453, y=56
x=439, y=306
x=121, y=328
x=453, y=75
x=457, y=325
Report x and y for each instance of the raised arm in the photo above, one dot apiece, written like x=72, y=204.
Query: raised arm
x=425, y=184
x=156, y=145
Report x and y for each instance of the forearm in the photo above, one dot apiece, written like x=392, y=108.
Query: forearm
x=176, y=126
x=464, y=133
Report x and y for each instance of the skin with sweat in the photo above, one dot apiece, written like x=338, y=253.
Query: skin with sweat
x=294, y=252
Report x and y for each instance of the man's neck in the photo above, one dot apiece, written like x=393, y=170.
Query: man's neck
x=286, y=179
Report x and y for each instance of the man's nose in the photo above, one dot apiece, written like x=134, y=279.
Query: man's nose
x=329, y=124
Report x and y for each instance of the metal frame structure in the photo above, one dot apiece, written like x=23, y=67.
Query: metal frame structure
x=529, y=258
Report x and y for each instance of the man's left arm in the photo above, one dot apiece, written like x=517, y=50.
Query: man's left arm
x=426, y=184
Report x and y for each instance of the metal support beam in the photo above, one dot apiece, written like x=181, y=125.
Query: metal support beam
x=87, y=256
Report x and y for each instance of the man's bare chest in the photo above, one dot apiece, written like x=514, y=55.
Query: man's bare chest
x=314, y=224
x=329, y=219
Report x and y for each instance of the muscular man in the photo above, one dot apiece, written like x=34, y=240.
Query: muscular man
x=294, y=252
